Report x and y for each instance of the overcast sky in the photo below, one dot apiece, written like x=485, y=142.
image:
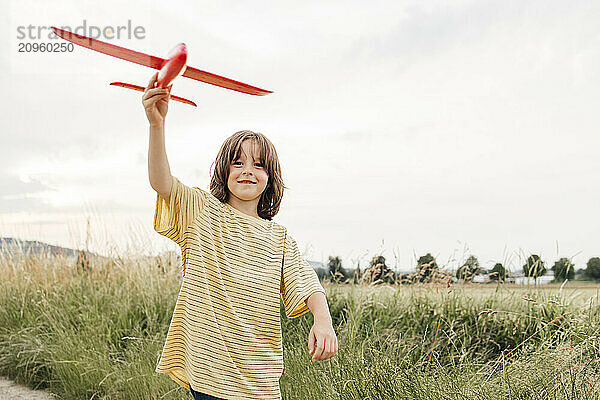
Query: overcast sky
x=402, y=127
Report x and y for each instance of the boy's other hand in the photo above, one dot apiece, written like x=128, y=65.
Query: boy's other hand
x=323, y=335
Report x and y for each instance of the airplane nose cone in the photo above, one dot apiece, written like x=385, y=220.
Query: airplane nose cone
x=179, y=50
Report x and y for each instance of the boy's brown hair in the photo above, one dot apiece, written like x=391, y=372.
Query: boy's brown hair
x=270, y=199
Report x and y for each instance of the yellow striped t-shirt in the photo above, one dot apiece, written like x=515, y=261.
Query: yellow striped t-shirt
x=225, y=334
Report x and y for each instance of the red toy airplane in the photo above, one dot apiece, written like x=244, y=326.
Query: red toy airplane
x=170, y=68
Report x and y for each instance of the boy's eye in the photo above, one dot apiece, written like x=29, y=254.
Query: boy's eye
x=239, y=162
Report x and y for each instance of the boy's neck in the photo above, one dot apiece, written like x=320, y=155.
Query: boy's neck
x=247, y=207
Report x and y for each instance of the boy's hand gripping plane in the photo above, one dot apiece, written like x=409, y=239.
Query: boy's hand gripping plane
x=170, y=68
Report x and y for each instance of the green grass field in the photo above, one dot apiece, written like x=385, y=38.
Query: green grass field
x=98, y=334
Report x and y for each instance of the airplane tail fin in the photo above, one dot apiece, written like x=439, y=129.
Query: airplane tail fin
x=141, y=89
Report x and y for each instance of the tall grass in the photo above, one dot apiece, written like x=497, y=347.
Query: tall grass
x=98, y=333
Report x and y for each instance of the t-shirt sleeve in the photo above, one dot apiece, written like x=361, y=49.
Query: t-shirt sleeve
x=173, y=218
x=298, y=281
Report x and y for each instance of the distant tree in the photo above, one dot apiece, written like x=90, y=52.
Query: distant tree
x=472, y=262
x=379, y=272
x=534, y=266
x=469, y=269
x=498, y=273
x=593, y=268
x=563, y=269
x=337, y=273
x=426, y=266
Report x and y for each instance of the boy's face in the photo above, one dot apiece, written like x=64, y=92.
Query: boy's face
x=247, y=167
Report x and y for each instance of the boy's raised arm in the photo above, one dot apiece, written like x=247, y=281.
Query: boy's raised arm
x=156, y=103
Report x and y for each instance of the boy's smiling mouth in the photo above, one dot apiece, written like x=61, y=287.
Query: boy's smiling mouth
x=247, y=182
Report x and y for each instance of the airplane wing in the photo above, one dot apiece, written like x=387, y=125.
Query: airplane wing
x=142, y=89
x=111, y=49
x=156, y=62
x=207, y=77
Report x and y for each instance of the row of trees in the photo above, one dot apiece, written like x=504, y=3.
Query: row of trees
x=534, y=267
x=427, y=270
x=563, y=269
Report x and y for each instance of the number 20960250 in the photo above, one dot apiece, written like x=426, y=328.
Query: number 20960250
x=45, y=47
